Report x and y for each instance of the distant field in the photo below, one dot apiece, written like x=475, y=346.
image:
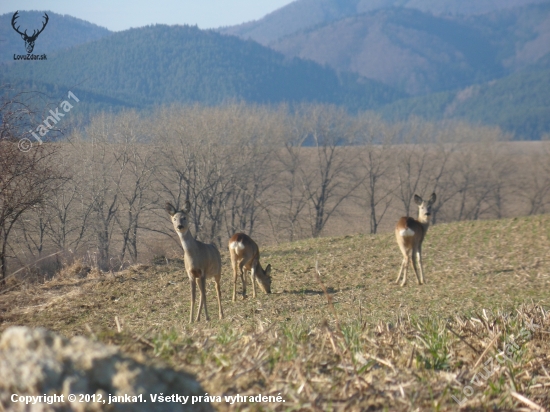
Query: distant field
x=382, y=347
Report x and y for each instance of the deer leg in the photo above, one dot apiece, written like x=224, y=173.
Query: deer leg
x=202, y=284
x=202, y=302
x=193, y=294
x=234, y=264
x=404, y=263
x=400, y=270
x=415, y=265
x=243, y=278
x=253, y=276
x=198, y=316
x=219, y=294
x=419, y=258
x=407, y=259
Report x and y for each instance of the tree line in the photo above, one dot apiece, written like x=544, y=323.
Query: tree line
x=277, y=173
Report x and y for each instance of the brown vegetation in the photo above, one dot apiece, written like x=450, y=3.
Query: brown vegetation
x=276, y=174
x=25, y=180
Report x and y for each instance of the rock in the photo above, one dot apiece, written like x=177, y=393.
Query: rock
x=36, y=362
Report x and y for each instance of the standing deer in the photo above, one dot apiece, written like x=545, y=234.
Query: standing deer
x=202, y=261
x=246, y=254
x=410, y=234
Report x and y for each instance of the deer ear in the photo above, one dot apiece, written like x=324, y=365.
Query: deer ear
x=432, y=199
x=268, y=270
x=187, y=206
x=417, y=200
x=170, y=209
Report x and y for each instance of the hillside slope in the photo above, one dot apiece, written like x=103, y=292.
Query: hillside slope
x=404, y=48
x=478, y=275
x=421, y=53
x=519, y=103
x=162, y=65
x=304, y=14
x=62, y=32
x=468, y=265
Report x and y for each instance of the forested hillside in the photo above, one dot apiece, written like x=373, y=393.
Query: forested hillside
x=490, y=64
x=162, y=65
x=519, y=103
x=60, y=33
x=421, y=53
x=484, y=61
x=304, y=14
x=404, y=48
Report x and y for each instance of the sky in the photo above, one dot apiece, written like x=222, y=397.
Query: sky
x=123, y=14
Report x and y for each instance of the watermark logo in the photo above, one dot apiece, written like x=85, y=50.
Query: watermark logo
x=29, y=40
x=25, y=144
x=511, y=349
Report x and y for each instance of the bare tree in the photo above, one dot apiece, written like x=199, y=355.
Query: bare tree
x=68, y=213
x=136, y=163
x=377, y=162
x=25, y=177
x=413, y=161
x=195, y=168
x=328, y=177
x=447, y=141
x=292, y=197
x=253, y=171
x=246, y=167
x=534, y=184
x=103, y=183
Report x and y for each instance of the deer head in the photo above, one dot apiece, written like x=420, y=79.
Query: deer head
x=180, y=218
x=424, y=207
x=29, y=40
x=264, y=278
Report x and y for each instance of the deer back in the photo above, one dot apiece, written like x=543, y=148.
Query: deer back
x=409, y=232
x=204, y=257
x=242, y=247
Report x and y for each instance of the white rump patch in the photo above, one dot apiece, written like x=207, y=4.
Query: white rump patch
x=237, y=246
x=406, y=232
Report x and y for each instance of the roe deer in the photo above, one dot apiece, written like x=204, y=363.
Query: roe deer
x=202, y=261
x=245, y=254
x=410, y=234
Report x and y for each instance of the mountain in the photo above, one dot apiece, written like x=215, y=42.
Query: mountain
x=304, y=14
x=405, y=48
x=422, y=53
x=519, y=103
x=166, y=64
x=296, y=16
x=484, y=61
x=60, y=33
x=491, y=68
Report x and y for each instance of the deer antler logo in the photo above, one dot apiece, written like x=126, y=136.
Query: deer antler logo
x=29, y=40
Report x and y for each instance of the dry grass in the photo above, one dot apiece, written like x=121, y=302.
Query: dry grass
x=375, y=346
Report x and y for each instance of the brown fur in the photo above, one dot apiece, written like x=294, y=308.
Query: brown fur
x=248, y=258
x=410, y=244
x=202, y=261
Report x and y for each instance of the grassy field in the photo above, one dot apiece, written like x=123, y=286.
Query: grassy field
x=349, y=339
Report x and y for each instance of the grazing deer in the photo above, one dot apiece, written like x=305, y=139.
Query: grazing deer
x=202, y=261
x=410, y=234
x=246, y=254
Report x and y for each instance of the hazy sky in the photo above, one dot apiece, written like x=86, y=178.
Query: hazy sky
x=123, y=14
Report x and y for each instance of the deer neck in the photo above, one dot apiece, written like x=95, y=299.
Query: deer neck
x=425, y=222
x=188, y=242
x=258, y=269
